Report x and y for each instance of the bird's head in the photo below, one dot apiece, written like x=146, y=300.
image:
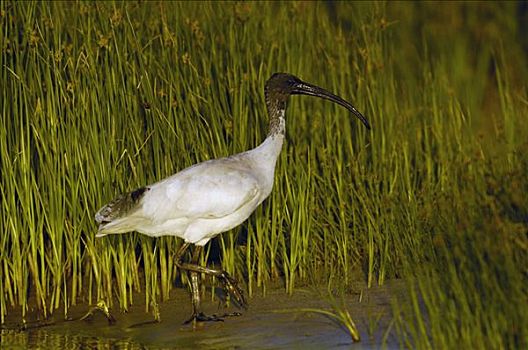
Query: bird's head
x=281, y=85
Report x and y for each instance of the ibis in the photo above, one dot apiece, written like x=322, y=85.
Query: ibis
x=208, y=198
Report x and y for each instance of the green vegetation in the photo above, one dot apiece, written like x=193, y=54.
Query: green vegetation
x=100, y=98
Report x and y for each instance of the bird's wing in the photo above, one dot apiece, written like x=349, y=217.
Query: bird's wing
x=211, y=189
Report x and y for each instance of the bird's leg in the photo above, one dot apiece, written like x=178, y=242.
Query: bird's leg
x=197, y=315
x=229, y=283
x=195, y=286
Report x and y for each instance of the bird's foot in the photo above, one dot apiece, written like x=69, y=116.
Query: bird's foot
x=101, y=307
x=201, y=317
x=231, y=288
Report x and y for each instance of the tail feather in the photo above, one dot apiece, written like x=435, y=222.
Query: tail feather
x=120, y=207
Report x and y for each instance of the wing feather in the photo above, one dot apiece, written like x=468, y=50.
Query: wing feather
x=208, y=190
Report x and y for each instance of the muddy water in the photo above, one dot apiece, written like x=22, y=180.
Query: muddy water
x=271, y=322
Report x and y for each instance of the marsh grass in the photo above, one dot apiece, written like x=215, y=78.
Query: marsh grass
x=100, y=98
x=338, y=314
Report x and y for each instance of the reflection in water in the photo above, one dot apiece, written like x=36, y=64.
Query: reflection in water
x=44, y=339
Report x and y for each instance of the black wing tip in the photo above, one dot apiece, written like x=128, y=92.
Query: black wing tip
x=137, y=194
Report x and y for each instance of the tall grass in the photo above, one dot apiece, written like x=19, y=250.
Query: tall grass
x=100, y=98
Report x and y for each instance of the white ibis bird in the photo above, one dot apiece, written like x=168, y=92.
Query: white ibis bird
x=212, y=197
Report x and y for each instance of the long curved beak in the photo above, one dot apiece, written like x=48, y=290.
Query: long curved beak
x=312, y=90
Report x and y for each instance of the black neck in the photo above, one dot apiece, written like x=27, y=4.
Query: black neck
x=276, y=105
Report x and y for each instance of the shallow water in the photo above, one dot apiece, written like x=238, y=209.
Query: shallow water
x=271, y=322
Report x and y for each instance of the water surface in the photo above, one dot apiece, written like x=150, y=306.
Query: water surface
x=273, y=321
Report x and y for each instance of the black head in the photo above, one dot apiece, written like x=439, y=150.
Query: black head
x=281, y=85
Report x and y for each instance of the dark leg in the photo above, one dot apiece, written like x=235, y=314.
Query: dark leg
x=195, y=285
x=197, y=314
x=229, y=283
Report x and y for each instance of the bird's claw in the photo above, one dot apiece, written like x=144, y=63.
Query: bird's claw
x=231, y=288
x=201, y=317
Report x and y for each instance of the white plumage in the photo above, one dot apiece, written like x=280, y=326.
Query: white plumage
x=203, y=200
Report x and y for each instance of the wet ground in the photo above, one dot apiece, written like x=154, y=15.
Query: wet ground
x=271, y=322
